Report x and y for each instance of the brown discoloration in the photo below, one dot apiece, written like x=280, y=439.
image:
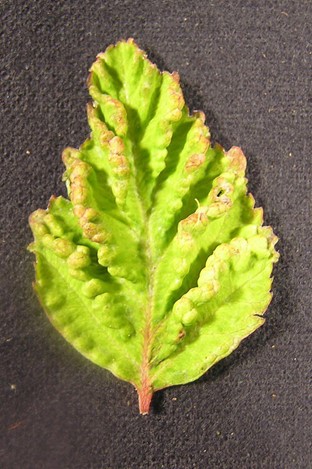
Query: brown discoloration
x=91, y=114
x=222, y=191
x=202, y=215
x=194, y=162
x=37, y=216
x=113, y=102
x=116, y=145
x=79, y=211
x=78, y=194
x=178, y=99
x=79, y=172
x=94, y=232
x=118, y=161
x=122, y=171
x=202, y=137
x=237, y=159
x=52, y=200
x=204, y=141
x=189, y=221
x=176, y=77
x=99, y=238
x=118, y=114
x=98, y=126
x=69, y=155
x=267, y=231
x=200, y=115
x=219, y=147
x=187, y=238
x=89, y=81
x=90, y=229
x=197, y=221
x=90, y=214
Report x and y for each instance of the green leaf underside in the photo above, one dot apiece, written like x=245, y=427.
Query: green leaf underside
x=158, y=264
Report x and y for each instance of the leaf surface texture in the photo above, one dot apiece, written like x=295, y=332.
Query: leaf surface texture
x=158, y=264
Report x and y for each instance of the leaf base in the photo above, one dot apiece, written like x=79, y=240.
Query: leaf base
x=145, y=397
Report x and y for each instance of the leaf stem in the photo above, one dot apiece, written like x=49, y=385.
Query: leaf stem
x=145, y=397
x=146, y=391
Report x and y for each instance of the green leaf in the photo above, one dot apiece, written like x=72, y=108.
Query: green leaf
x=158, y=264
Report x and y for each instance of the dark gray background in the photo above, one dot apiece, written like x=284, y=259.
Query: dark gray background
x=247, y=65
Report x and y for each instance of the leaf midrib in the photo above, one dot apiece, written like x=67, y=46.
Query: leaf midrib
x=147, y=330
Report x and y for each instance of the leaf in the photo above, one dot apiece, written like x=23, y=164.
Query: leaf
x=158, y=265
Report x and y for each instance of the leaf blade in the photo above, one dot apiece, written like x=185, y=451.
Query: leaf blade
x=158, y=265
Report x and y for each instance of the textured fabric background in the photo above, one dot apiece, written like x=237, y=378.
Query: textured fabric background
x=247, y=65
